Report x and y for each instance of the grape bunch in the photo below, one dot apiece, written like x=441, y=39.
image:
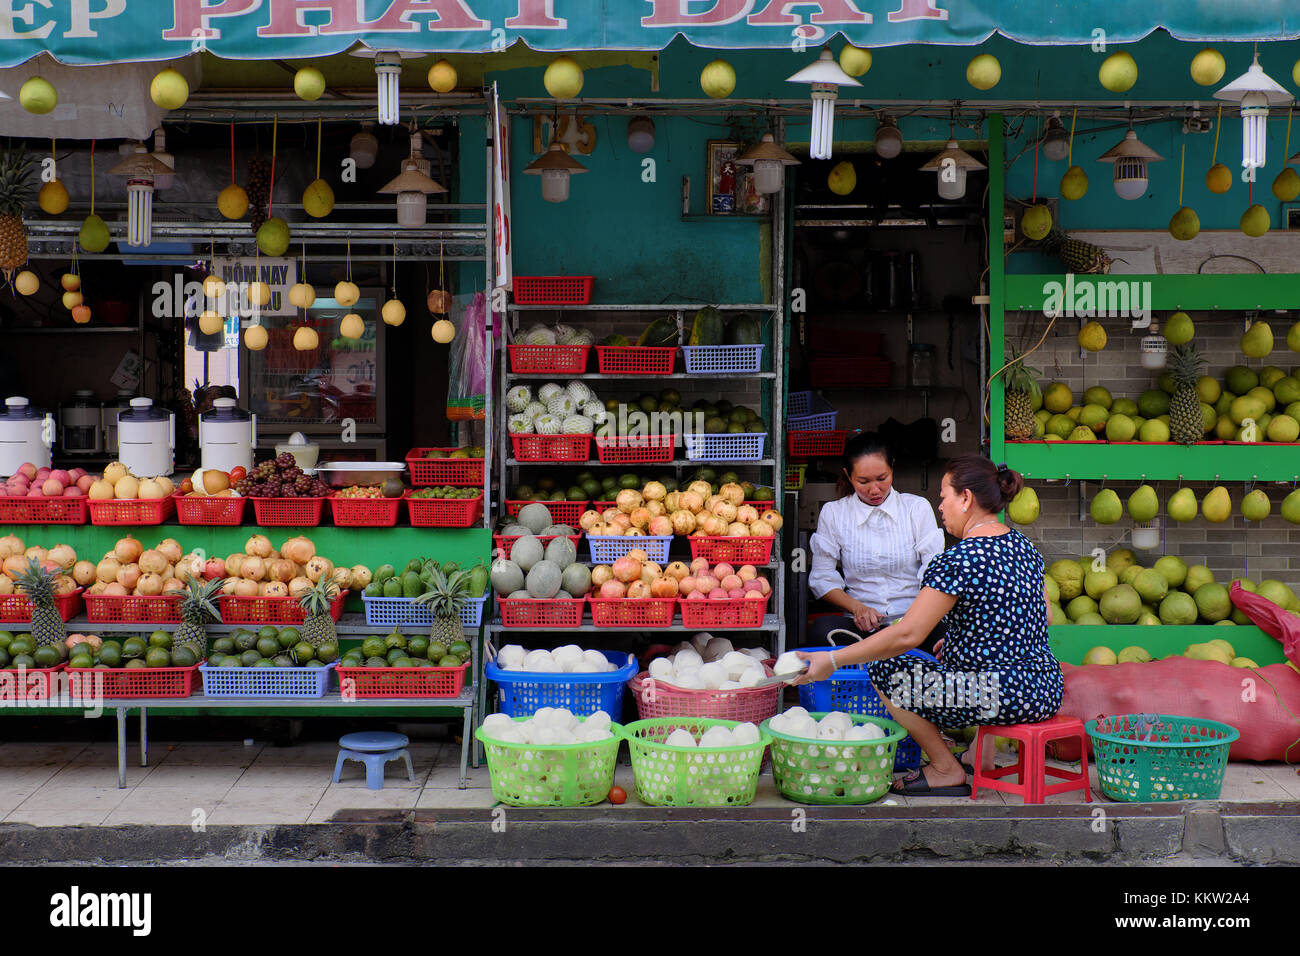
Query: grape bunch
x=281, y=478
x=259, y=189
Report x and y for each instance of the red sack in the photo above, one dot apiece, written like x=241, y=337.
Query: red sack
x=1263, y=705
x=1270, y=618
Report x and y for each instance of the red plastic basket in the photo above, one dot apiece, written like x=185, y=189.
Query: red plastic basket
x=17, y=608
x=635, y=359
x=270, y=610
x=365, y=512
x=552, y=290
x=288, y=512
x=444, y=512
x=809, y=443
x=503, y=544
x=147, y=681
x=536, y=612
x=133, y=609
x=863, y=372
x=457, y=472
x=632, y=612
x=210, y=510
x=635, y=449
x=555, y=359
x=359, y=682
x=657, y=698
x=130, y=511
x=29, y=683
x=732, y=550
x=733, y=612
x=43, y=510
x=551, y=447
x=562, y=512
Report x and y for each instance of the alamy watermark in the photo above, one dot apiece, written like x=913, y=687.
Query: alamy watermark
x=1098, y=299
x=81, y=689
x=922, y=688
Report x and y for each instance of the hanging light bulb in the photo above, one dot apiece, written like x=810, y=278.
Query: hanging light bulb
x=364, y=147
x=160, y=153
x=640, y=134
x=769, y=161
x=1056, y=141
x=141, y=170
x=826, y=77
x=412, y=188
x=1256, y=91
x=388, y=67
x=555, y=166
x=889, y=140
x=1130, y=157
x=952, y=165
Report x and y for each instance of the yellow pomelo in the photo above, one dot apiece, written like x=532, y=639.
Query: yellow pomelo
x=1218, y=179
x=1036, y=222
x=1092, y=337
x=1256, y=505
x=443, y=331
x=1024, y=507
x=1207, y=67
x=309, y=83
x=38, y=96
x=1118, y=72
x=302, y=295
x=854, y=60
x=53, y=197
x=1058, y=398
x=1185, y=224
x=563, y=78
x=210, y=322
x=843, y=179
x=318, y=199
x=26, y=282
x=983, y=71
x=1286, y=185
x=1257, y=341
x=273, y=237
x=259, y=293
x=93, y=235
x=393, y=312
x=255, y=337
x=305, y=338
x=233, y=202
x=1179, y=329
x=1074, y=184
x=1100, y=655
x=718, y=79
x=346, y=294
x=169, y=89
x=442, y=77
x=352, y=326
x=1255, y=220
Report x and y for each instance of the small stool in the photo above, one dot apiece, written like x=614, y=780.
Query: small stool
x=374, y=749
x=1031, y=767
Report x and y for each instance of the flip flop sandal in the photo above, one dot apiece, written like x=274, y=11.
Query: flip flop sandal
x=915, y=785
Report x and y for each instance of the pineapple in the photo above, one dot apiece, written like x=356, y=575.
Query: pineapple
x=1186, y=423
x=318, y=628
x=38, y=584
x=446, y=597
x=1079, y=257
x=1020, y=388
x=15, y=168
x=197, y=609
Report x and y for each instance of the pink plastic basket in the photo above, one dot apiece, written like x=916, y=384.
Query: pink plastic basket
x=635, y=449
x=732, y=550
x=270, y=610
x=288, y=512
x=551, y=448
x=562, y=512
x=133, y=609
x=210, y=510
x=636, y=359
x=503, y=544
x=129, y=511
x=365, y=512
x=552, y=290
x=457, y=472
x=16, y=608
x=655, y=698
x=534, y=612
x=444, y=512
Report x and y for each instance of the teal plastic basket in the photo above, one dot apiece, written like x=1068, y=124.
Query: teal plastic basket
x=1146, y=758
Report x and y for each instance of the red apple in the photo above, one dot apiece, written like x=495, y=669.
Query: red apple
x=62, y=477
x=84, y=482
x=735, y=593
x=36, y=492
x=27, y=470
x=717, y=594
x=52, y=488
x=695, y=596
x=72, y=491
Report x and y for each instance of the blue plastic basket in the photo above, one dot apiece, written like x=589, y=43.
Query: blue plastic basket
x=265, y=681
x=711, y=359
x=606, y=549
x=522, y=693
x=725, y=447
x=405, y=612
x=849, y=690
x=809, y=412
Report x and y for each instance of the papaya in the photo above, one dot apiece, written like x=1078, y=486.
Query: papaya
x=743, y=330
x=707, y=327
x=660, y=332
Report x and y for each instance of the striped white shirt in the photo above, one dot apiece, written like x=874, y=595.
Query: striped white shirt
x=882, y=551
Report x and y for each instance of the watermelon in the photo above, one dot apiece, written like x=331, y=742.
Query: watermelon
x=615, y=339
x=707, y=327
x=660, y=332
x=743, y=330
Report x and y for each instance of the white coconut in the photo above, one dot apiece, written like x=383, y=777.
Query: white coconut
x=717, y=737
x=712, y=675
x=750, y=678
x=736, y=664
x=717, y=649
x=681, y=737
x=595, y=660
x=689, y=658
x=511, y=655
x=598, y=719
x=788, y=663
x=661, y=668
x=493, y=724
x=743, y=735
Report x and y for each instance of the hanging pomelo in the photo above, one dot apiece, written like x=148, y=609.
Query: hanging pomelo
x=255, y=337
x=211, y=322
x=169, y=89
x=38, y=96
x=318, y=199
x=442, y=77
x=26, y=282
x=718, y=79
x=233, y=202
x=563, y=78
x=309, y=83
x=273, y=237
x=53, y=197
x=259, y=293
x=93, y=235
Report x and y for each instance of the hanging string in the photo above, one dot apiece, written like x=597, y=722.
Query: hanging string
x=1069, y=157
x=232, y=154
x=92, y=177
x=54, y=149
x=1181, y=163
x=1036, y=169
x=1218, y=124
x=270, y=195
x=349, y=259
x=1286, y=151
x=394, y=276
x=303, y=276
x=318, y=139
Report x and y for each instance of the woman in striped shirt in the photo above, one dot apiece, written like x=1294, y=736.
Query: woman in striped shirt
x=881, y=540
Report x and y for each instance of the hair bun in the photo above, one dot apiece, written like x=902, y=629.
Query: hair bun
x=1010, y=482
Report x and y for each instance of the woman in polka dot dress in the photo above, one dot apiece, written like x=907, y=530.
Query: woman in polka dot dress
x=995, y=665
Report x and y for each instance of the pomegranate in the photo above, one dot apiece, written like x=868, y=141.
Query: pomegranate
x=626, y=569
x=612, y=589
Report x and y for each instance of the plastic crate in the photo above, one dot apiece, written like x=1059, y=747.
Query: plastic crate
x=549, y=359
x=732, y=612
x=552, y=290
x=809, y=444
x=1146, y=758
x=632, y=612
x=266, y=681
x=405, y=612
x=269, y=610
x=210, y=510
x=658, y=698
x=503, y=544
x=794, y=475
x=288, y=512
x=444, y=512
x=744, y=447
x=835, y=772
x=123, y=682
x=133, y=609
x=808, y=411
x=551, y=448
x=606, y=549
x=635, y=449
x=43, y=510
x=128, y=511
x=865, y=372
x=17, y=608
x=364, y=512
x=523, y=693
x=692, y=776
x=714, y=359
x=365, y=682
x=732, y=550
x=562, y=512
x=21, y=684
x=457, y=472
x=554, y=775
x=541, y=612
x=636, y=359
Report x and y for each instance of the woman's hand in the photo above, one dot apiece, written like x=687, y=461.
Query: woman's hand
x=866, y=618
x=819, y=666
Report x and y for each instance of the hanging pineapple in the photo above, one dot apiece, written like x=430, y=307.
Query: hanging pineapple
x=1021, y=387
x=37, y=583
x=15, y=170
x=1186, y=421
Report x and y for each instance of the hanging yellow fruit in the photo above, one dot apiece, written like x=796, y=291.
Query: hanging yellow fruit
x=305, y=338
x=26, y=282
x=302, y=295
x=442, y=77
x=718, y=79
x=93, y=235
x=309, y=83
x=211, y=322
x=346, y=294
x=443, y=331
x=38, y=96
x=214, y=287
x=259, y=293
x=352, y=326
x=71, y=300
x=1218, y=179
x=273, y=237
x=563, y=78
x=233, y=202
x=255, y=337
x=53, y=197
x=81, y=314
x=393, y=312
x=169, y=89
x=318, y=199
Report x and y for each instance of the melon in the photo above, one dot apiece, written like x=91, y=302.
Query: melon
x=514, y=530
x=707, y=327
x=526, y=552
x=520, y=594
x=743, y=330
x=534, y=516
x=558, y=529
x=660, y=332
x=507, y=577
x=561, y=552
x=576, y=579
x=543, y=580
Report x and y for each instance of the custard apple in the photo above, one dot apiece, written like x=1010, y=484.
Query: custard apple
x=562, y=406
x=583, y=337
x=595, y=411
x=533, y=410
x=579, y=391
x=517, y=398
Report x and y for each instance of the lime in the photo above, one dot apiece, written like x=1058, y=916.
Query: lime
x=47, y=657
x=214, y=660
x=22, y=644
x=373, y=647
x=136, y=663
x=81, y=661
x=314, y=663
x=395, y=640
x=327, y=652
x=81, y=649
x=283, y=660
x=269, y=630
x=160, y=639
x=158, y=657
x=288, y=637
x=23, y=660
x=376, y=662
x=5, y=638
x=231, y=661
x=438, y=651
x=303, y=652
x=223, y=645
x=4, y=657
x=403, y=662
x=395, y=654
x=268, y=646
x=247, y=640
x=418, y=646
x=249, y=658
x=459, y=648
x=450, y=660
x=264, y=662
x=183, y=657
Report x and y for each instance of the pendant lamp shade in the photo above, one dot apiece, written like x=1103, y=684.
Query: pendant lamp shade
x=141, y=171
x=1256, y=91
x=555, y=166
x=412, y=189
x=825, y=76
x=1130, y=157
x=952, y=166
x=769, y=161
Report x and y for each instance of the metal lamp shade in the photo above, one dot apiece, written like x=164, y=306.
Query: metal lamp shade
x=554, y=166
x=769, y=161
x=1130, y=157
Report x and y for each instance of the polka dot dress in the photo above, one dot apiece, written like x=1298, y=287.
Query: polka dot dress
x=997, y=666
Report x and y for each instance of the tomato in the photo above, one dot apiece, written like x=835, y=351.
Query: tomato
x=238, y=473
x=617, y=795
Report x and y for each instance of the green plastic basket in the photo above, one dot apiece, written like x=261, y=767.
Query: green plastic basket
x=835, y=771
x=690, y=776
x=554, y=775
x=1143, y=758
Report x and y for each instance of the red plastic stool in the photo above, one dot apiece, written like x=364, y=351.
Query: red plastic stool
x=1031, y=767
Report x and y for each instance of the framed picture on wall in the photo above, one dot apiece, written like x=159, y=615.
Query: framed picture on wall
x=1291, y=214
x=723, y=175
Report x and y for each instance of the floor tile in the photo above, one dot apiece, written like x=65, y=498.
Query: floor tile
x=55, y=797
x=40, y=817
x=207, y=754
x=335, y=800
x=190, y=776
x=290, y=775
x=274, y=798
x=438, y=798
x=99, y=775
x=12, y=797
x=163, y=808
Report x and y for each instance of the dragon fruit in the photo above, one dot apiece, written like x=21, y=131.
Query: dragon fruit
x=579, y=391
x=517, y=398
x=547, y=425
x=578, y=425
x=548, y=392
x=532, y=410
x=539, y=335
x=519, y=425
x=562, y=406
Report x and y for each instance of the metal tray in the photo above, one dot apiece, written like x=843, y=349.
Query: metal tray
x=340, y=474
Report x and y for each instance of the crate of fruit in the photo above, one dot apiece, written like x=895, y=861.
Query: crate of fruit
x=548, y=775
x=399, y=612
x=723, y=612
x=19, y=684
x=735, y=550
x=270, y=610
x=31, y=510
x=210, y=510
x=552, y=359
x=131, y=682
x=606, y=549
x=359, y=682
x=288, y=512
x=834, y=771
x=17, y=608
x=635, y=449
x=127, y=511
x=658, y=697
x=503, y=544
x=808, y=411
x=636, y=359
x=541, y=612
x=265, y=681
x=552, y=290
x=551, y=448
x=133, y=608
x=428, y=511
x=696, y=775
x=808, y=444
x=746, y=446
x=437, y=466
x=364, y=511
x=632, y=612
x=714, y=359
x=522, y=692
x=562, y=512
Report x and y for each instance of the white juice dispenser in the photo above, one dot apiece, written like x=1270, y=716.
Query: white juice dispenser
x=26, y=435
x=146, y=439
x=227, y=435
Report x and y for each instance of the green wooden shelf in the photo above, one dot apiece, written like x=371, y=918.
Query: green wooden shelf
x=1070, y=642
x=1153, y=462
x=1168, y=292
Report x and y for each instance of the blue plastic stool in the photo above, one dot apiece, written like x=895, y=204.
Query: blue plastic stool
x=374, y=749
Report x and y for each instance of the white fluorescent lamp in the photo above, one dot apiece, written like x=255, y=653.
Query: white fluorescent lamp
x=1130, y=157
x=1256, y=91
x=889, y=139
x=769, y=161
x=826, y=77
x=141, y=170
x=555, y=166
x=412, y=189
x=1056, y=141
x=388, y=70
x=952, y=165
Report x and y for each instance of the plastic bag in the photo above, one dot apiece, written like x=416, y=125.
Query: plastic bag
x=467, y=361
x=1270, y=618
